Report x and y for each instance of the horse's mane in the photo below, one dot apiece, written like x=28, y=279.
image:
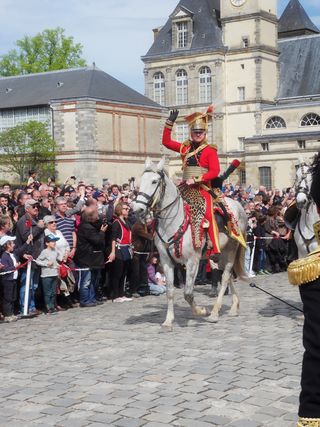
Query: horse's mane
x=315, y=186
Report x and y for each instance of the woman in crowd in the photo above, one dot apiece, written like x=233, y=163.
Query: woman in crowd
x=121, y=253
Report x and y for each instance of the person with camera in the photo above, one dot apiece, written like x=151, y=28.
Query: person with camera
x=89, y=255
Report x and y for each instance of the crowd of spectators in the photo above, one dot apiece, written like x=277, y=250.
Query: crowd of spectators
x=85, y=246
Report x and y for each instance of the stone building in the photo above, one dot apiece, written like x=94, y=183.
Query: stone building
x=261, y=73
x=103, y=128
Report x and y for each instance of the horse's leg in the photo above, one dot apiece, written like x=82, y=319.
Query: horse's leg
x=192, y=269
x=169, y=273
x=214, y=316
x=234, y=311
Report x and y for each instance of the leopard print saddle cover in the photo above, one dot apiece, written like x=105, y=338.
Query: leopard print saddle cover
x=192, y=196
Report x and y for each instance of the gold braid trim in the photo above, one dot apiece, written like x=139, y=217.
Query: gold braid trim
x=308, y=422
x=305, y=270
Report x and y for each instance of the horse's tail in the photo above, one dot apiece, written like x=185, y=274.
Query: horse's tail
x=238, y=266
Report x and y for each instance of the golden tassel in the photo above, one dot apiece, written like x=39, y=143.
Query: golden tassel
x=308, y=422
x=305, y=270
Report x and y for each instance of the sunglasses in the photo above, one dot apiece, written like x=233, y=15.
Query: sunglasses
x=52, y=222
x=125, y=209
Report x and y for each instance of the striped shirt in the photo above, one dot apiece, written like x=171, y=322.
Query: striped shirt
x=67, y=227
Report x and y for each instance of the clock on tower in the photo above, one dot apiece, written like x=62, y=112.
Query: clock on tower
x=238, y=2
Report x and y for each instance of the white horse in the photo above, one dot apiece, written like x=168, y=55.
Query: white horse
x=304, y=234
x=160, y=195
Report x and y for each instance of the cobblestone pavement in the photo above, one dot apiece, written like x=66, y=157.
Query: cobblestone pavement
x=112, y=366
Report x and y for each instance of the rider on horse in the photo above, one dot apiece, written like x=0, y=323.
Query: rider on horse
x=200, y=165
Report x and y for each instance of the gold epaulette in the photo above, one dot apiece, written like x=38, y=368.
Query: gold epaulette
x=308, y=422
x=305, y=270
x=214, y=146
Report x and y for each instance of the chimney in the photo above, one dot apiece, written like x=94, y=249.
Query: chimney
x=156, y=32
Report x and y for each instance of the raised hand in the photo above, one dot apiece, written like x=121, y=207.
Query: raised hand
x=173, y=115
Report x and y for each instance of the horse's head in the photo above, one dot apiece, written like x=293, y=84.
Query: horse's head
x=152, y=186
x=303, y=185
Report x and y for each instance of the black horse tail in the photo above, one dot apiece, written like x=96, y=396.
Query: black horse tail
x=315, y=186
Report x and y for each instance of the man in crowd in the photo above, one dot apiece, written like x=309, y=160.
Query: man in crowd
x=28, y=225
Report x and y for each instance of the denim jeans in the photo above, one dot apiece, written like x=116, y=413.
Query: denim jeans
x=49, y=285
x=262, y=260
x=156, y=289
x=34, y=282
x=89, y=281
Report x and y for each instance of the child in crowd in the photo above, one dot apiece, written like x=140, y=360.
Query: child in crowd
x=156, y=286
x=9, y=281
x=48, y=261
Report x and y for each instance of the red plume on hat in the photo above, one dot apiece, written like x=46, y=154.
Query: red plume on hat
x=210, y=110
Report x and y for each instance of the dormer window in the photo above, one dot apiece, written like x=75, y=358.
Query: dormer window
x=182, y=34
x=182, y=27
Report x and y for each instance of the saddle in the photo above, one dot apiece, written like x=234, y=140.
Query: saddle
x=225, y=220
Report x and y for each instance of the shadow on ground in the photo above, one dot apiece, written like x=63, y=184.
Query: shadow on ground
x=277, y=308
x=156, y=314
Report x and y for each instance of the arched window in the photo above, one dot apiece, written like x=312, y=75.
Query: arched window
x=182, y=132
x=159, y=88
x=276, y=122
x=265, y=176
x=311, y=119
x=205, y=86
x=181, y=87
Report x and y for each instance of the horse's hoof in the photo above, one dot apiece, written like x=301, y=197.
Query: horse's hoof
x=213, y=318
x=233, y=313
x=166, y=328
x=200, y=311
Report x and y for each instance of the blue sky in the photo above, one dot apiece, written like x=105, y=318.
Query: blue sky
x=114, y=33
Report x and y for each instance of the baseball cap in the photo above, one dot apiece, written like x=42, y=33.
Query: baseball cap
x=97, y=194
x=31, y=202
x=51, y=238
x=5, y=239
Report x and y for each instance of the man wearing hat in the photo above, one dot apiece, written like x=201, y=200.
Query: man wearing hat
x=200, y=164
x=305, y=272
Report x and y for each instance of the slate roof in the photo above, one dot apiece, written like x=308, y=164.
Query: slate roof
x=207, y=34
x=299, y=66
x=295, y=21
x=41, y=88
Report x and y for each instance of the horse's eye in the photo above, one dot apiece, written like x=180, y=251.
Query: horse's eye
x=154, y=181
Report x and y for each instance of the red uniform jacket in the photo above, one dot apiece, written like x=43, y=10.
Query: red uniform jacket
x=206, y=158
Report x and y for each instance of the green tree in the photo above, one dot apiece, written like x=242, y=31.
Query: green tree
x=47, y=51
x=28, y=146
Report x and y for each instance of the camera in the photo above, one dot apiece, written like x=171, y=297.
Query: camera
x=73, y=177
x=132, y=179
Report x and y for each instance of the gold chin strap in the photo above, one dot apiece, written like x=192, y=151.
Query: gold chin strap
x=308, y=422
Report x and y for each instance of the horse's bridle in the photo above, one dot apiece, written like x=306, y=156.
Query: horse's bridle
x=153, y=199
x=305, y=190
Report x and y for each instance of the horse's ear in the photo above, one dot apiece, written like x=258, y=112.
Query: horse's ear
x=160, y=165
x=148, y=163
